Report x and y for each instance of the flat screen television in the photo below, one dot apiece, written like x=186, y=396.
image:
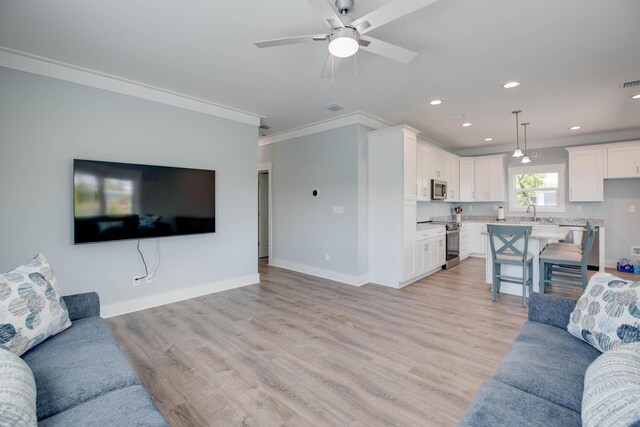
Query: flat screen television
x=116, y=201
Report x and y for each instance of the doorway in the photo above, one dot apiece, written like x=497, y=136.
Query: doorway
x=264, y=232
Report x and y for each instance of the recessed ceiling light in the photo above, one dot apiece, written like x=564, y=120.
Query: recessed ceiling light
x=488, y=139
x=510, y=85
x=636, y=96
x=436, y=102
x=574, y=128
x=466, y=124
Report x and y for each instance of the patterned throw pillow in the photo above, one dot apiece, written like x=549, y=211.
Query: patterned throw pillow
x=17, y=392
x=31, y=310
x=612, y=389
x=607, y=314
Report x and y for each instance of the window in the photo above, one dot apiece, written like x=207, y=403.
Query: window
x=540, y=185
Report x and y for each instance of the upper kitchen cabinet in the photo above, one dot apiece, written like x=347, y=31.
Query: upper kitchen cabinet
x=489, y=182
x=467, y=179
x=623, y=161
x=586, y=174
x=439, y=165
x=452, y=176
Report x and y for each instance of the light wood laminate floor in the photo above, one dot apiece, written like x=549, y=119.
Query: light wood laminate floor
x=302, y=351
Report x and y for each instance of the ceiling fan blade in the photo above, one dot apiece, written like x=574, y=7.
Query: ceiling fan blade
x=326, y=11
x=387, y=13
x=331, y=68
x=388, y=50
x=291, y=40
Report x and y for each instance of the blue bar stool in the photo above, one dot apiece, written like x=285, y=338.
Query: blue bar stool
x=563, y=265
x=508, y=254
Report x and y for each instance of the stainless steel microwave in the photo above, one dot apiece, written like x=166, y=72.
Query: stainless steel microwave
x=438, y=190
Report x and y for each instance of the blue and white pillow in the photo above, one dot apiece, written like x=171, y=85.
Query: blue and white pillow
x=607, y=315
x=611, y=394
x=31, y=309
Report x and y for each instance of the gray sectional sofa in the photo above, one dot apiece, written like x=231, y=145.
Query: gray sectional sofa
x=540, y=380
x=82, y=377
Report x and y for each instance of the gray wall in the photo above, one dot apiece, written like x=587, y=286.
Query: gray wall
x=46, y=123
x=304, y=227
x=622, y=226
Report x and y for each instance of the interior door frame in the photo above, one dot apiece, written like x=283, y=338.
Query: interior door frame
x=267, y=167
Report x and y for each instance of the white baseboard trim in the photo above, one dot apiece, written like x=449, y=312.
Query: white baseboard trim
x=321, y=272
x=151, y=301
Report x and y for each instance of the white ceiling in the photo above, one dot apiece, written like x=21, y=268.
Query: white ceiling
x=570, y=55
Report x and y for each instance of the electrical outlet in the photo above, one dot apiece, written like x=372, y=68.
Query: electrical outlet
x=326, y=257
x=635, y=251
x=632, y=208
x=470, y=207
x=136, y=281
x=579, y=208
x=338, y=210
x=149, y=280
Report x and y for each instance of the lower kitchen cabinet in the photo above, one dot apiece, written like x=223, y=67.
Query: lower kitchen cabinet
x=430, y=255
x=465, y=241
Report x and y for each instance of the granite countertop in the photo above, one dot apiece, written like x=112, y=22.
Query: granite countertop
x=545, y=232
x=577, y=222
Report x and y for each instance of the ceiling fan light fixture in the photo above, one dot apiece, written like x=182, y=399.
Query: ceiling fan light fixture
x=343, y=42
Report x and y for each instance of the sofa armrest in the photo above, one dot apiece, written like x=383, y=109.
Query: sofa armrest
x=82, y=305
x=553, y=310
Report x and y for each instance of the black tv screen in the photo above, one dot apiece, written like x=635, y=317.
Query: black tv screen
x=116, y=201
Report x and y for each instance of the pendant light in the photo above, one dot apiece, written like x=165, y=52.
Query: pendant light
x=517, y=152
x=526, y=158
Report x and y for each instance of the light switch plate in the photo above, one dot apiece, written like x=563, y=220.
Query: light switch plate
x=338, y=210
x=632, y=208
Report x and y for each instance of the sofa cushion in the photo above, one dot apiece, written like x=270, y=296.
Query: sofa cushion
x=612, y=389
x=607, y=315
x=17, y=391
x=129, y=406
x=77, y=365
x=497, y=404
x=31, y=310
x=548, y=362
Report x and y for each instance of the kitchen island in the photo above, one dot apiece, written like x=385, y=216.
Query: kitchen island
x=541, y=236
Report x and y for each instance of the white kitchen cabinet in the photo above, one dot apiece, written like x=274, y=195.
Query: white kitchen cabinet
x=467, y=179
x=489, y=184
x=452, y=176
x=477, y=240
x=430, y=255
x=586, y=174
x=465, y=242
x=623, y=161
x=422, y=173
x=392, y=205
x=436, y=165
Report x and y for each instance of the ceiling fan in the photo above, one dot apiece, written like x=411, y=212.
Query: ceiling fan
x=346, y=35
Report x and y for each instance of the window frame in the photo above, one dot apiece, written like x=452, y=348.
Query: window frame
x=559, y=168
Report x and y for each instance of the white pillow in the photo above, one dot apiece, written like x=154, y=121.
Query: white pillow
x=17, y=392
x=611, y=394
x=31, y=310
x=607, y=315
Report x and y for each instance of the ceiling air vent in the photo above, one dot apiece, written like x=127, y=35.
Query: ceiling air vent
x=631, y=84
x=457, y=117
x=333, y=107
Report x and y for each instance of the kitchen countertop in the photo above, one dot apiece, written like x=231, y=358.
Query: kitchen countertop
x=577, y=222
x=545, y=232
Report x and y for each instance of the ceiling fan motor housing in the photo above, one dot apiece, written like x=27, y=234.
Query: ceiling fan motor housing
x=344, y=6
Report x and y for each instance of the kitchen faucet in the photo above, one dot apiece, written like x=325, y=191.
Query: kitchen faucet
x=534, y=211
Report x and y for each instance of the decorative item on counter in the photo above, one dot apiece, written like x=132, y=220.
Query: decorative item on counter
x=636, y=267
x=625, y=265
x=458, y=210
x=501, y=213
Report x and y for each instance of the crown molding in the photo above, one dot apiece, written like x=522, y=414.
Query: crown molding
x=568, y=141
x=39, y=65
x=357, y=118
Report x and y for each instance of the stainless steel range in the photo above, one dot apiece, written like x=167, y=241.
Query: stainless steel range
x=453, y=242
